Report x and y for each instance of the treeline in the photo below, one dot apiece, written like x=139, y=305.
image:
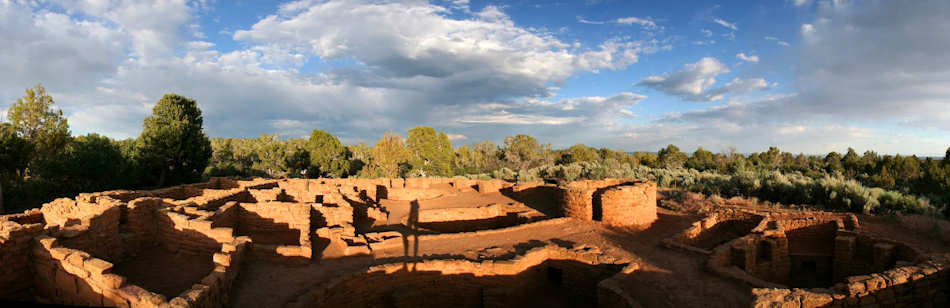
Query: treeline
x=868, y=183
x=40, y=160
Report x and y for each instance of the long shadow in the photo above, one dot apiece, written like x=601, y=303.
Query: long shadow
x=413, y=225
x=724, y=231
x=543, y=198
x=552, y=283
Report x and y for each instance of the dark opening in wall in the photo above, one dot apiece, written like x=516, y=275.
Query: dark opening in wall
x=765, y=251
x=809, y=267
x=555, y=276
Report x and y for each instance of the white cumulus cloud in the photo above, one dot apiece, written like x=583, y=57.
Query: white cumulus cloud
x=747, y=58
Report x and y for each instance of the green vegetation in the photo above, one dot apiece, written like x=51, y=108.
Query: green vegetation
x=40, y=161
x=172, y=148
x=328, y=156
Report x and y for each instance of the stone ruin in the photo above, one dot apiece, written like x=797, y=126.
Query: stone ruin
x=196, y=245
x=815, y=259
x=437, y=242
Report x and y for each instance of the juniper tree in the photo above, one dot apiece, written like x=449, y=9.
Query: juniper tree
x=327, y=155
x=172, y=145
x=430, y=153
x=390, y=158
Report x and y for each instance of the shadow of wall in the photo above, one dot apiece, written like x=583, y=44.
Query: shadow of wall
x=542, y=198
x=553, y=283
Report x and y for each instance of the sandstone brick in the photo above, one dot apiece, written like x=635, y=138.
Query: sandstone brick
x=222, y=259
x=77, y=258
x=59, y=253
x=97, y=266
x=112, y=280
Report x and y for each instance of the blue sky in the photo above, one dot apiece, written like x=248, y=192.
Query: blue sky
x=806, y=76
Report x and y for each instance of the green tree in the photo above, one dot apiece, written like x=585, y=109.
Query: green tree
x=580, y=152
x=482, y=157
x=172, y=145
x=271, y=156
x=328, y=155
x=671, y=157
x=361, y=155
x=15, y=153
x=34, y=119
x=298, y=160
x=522, y=152
x=701, y=160
x=851, y=163
x=772, y=159
x=390, y=158
x=833, y=163
x=430, y=153
x=89, y=163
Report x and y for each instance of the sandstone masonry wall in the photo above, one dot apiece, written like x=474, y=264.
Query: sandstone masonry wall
x=629, y=205
x=16, y=236
x=460, y=280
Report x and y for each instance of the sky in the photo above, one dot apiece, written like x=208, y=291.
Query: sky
x=807, y=76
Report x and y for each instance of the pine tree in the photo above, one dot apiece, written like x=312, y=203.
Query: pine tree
x=172, y=145
x=33, y=119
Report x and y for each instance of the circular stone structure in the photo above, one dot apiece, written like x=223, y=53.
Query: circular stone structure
x=614, y=202
x=629, y=206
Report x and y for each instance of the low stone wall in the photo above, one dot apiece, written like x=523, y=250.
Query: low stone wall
x=476, y=218
x=409, y=194
x=925, y=284
x=16, y=278
x=462, y=283
x=610, y=293
x=280, y=230
x=73, y=277
x=714, y=229
x=178, y=232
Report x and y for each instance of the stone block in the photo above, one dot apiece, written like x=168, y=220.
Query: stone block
x=97, y=266
x=59, y=253
x=222, y=259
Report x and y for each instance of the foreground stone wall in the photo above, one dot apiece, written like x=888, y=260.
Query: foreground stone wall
x=925, y=284
x=464, y=283
x=16, y=237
